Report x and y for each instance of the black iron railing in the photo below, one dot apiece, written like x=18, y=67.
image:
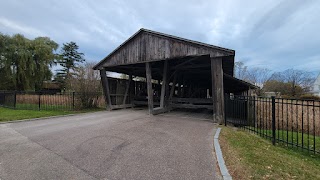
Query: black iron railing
x=291, y=122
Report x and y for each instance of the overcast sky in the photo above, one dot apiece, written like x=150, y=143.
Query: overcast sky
x=270, y=33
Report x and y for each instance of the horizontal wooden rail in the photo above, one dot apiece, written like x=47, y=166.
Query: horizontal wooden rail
x=192, y=100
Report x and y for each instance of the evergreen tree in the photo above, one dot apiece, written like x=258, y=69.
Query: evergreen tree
x=69, y=59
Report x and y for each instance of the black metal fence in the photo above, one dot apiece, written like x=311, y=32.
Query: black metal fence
x=291, y=122
x=43, y=100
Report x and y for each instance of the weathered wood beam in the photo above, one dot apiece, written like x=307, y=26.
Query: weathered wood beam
x=191, y=106
x=217, y=90
x=192, y=100
x=149, y=87
x=159, y=110
x=186, y=62
x=136, y=102
x=106, y=90
x=136, y=69
x=127, y=89
x=196, y=66
x=164, y=84
x=122, y=106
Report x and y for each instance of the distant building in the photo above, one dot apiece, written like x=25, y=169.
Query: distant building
x=51, y=87
x=270, y=94
x=316, y=86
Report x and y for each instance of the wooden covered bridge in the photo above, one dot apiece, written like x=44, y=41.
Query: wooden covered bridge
x=173, y=73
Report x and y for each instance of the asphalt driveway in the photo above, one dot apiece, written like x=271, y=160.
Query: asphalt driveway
x=123, y=144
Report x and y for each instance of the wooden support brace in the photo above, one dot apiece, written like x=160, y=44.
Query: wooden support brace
x=122, y=106
x=159, y=110
x=105, y=87
x=186, y=62
x=164, y=84
x=127, y=89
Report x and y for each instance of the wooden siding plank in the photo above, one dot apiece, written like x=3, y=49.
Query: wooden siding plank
x=147, y=48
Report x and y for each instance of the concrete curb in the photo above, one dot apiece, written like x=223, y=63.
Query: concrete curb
x=44, y=118
x=222, y=166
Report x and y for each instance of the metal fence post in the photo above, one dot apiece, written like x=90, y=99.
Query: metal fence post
x=273, y=120
x=73, y=100
x=225, y=109
x=14, y=99
x=39, y=101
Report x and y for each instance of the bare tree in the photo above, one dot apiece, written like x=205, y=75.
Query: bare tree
x=258, y=76
x=86, y=83
x=86, y=79
x=299, y=81
x=240, y=70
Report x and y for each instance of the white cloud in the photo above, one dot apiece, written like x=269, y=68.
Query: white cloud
x=270, y=33
x=19, y=28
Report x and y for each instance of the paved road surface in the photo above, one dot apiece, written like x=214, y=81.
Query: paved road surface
x=123, y=144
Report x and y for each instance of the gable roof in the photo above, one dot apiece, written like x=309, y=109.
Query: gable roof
x=195, y=44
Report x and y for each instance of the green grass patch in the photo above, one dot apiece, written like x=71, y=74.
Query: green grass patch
x=43, y=107
x=249, y=156
x=7, y=114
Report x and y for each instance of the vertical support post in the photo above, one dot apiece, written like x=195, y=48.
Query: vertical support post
x=273, y=120
x=39, y=102
x=132, y=90
x=248, y=116
x=217, y=90
x=164, y=84
x=73, y=93
x=167, y=93
x=225, y=109
x=149, y=88
x=15, y=100
x=105, y=87
x=117, y=90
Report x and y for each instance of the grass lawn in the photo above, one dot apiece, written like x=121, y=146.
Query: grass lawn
x=11, y=114
x=295, y=138
x=249, y=156
x=43, y=107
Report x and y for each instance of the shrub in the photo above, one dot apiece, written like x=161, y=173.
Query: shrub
x=285, y=96
x=309, y=96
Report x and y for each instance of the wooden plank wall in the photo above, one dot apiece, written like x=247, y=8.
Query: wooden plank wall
x=148, y=47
